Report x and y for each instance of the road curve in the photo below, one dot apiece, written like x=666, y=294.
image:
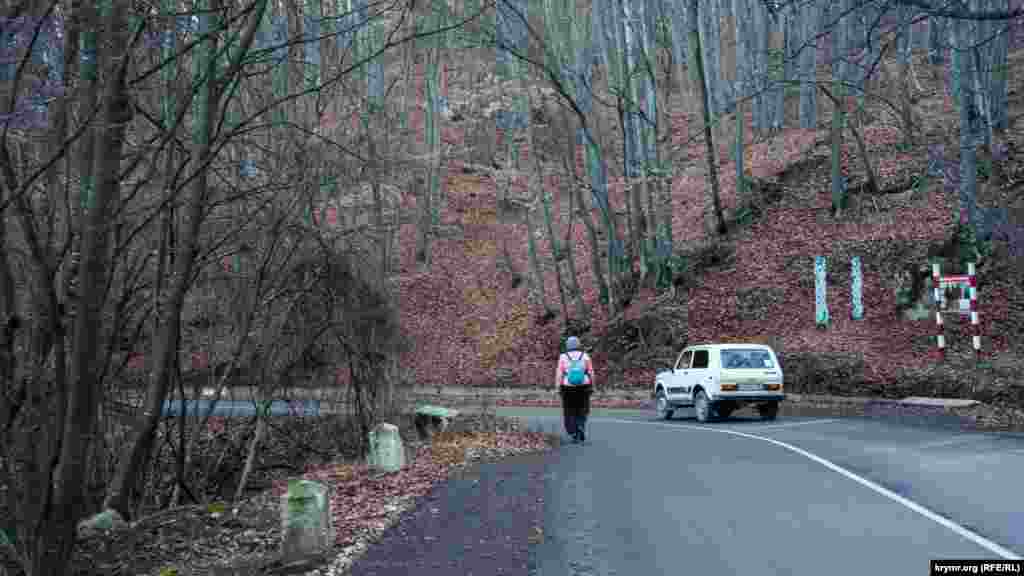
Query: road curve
x=794, y=496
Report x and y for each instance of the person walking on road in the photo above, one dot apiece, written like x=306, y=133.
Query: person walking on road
x=574, y=380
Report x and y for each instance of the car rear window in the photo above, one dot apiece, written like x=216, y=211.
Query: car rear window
x=740, y=358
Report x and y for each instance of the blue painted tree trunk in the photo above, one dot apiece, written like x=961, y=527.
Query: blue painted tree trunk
x=820, y=292
x=856, y=289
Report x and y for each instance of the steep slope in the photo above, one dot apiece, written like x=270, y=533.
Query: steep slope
x=470, y=328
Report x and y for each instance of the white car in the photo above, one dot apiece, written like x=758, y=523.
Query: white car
x=716, y=379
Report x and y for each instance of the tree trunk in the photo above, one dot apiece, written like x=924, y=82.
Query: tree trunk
x=758, y=31
x=1000, y=71
x=86, y=366
x=981, y=53
x=677, y=14
x=839, y=74
x=254, y=445
x=969, y=120
x=570, y=240
x=711, y=44
x=651, y=125
x=904, y=54
x=809, y=13
x=936, y=42
x=123, y=489
x=575, y=190
x=709, y=145
x=742, y=76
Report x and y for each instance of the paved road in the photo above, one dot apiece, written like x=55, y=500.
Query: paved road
x=795, y=496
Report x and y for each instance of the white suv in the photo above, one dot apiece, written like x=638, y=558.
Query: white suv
x=716, y=379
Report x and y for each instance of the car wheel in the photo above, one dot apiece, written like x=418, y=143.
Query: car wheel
x=662, y=407
x=768, y=411
x=702, y=407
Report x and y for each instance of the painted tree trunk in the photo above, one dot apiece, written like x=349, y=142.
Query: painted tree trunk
x=820, y=292
x=856, y=289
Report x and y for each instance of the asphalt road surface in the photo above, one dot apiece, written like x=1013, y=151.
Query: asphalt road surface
x=797, y=496
x=794, y=496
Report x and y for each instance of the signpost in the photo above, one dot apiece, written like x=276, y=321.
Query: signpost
x=966, y=284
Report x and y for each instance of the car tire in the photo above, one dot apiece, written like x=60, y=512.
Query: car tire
x=768, y=411
x=702, y=407
x=662, y=407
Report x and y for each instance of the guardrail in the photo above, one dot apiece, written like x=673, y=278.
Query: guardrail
x=243, y=408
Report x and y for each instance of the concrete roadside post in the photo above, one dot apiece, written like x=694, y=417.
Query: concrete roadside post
x=307, y=527
x=387, y=454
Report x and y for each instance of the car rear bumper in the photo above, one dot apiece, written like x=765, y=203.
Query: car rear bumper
x=749, y=397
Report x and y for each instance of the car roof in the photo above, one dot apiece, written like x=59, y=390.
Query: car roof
x=752, y=346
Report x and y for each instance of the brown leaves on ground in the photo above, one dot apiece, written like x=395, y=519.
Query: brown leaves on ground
x=218, y=539
x=776, y=252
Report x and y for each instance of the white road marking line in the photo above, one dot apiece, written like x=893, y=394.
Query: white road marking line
x=958, y=439
x=906, y=502
x=795, y=424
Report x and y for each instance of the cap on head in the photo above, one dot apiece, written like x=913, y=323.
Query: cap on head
x=572, y=344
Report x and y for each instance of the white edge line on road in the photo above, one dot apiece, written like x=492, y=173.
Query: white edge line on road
x=795, y=424
x=958, y=439
x=933, y=516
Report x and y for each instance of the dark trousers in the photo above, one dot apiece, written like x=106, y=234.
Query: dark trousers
x=575, y=407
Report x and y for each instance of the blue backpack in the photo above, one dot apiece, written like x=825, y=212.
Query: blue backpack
x=577, y=374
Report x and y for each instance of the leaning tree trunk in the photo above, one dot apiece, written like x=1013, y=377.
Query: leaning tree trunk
x=123, y=489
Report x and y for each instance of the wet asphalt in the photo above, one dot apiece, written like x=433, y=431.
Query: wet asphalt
x=646, y=496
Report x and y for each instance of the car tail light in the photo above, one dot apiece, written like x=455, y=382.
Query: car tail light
x=773, y=387
x=729, y=387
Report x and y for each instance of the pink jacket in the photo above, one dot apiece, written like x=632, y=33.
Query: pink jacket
x=563, y=368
